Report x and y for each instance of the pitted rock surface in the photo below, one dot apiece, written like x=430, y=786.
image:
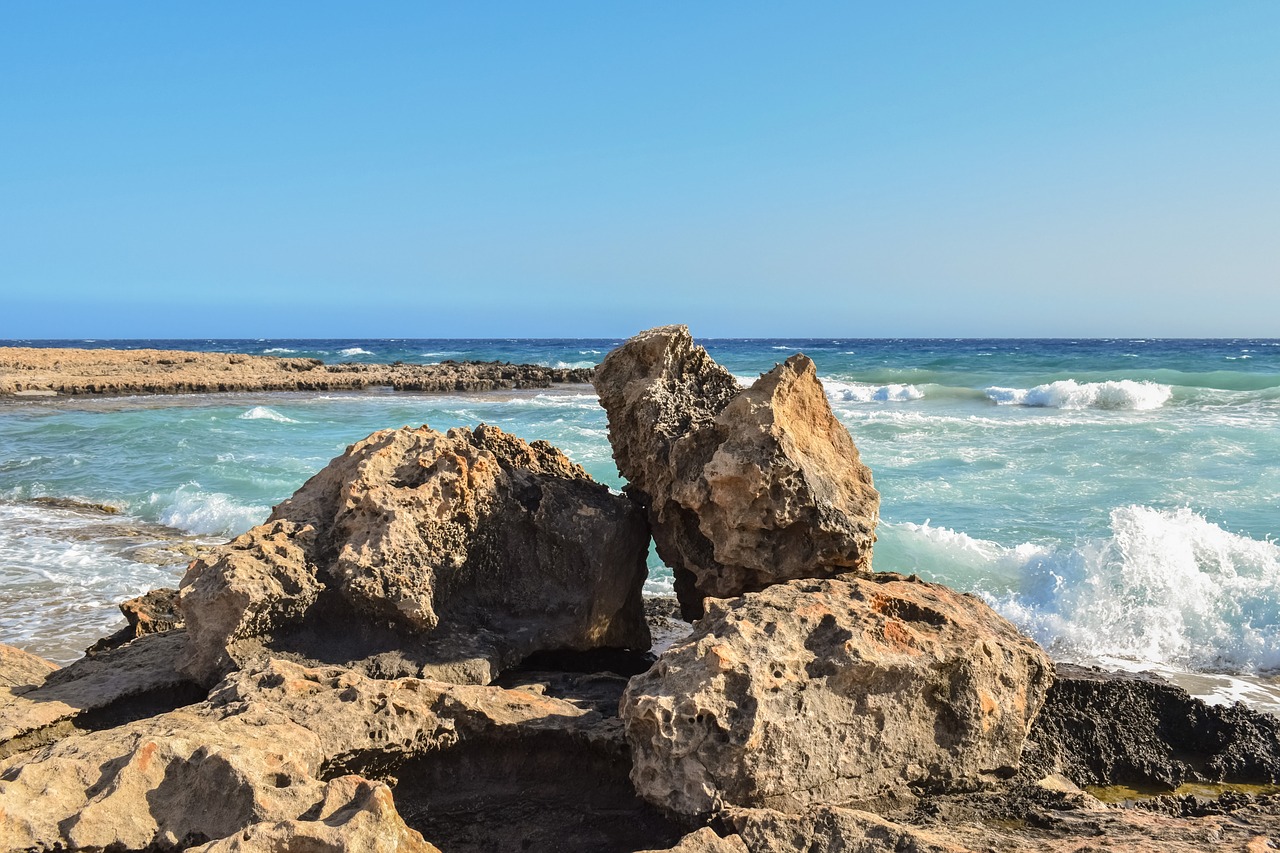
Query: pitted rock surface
x=743, y=487
x=833, y=691
x=447, y=555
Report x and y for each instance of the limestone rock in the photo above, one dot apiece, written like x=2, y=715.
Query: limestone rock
x=833, y=691
x=355, y=814
x=827, y=828
x=21, y=671
x=150, y=613
x=705, y=841
x=249, y=764
x=132, y=681
x=450, y=555
x=744, y=488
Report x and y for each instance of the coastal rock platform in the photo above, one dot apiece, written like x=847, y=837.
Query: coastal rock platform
x=39, y=372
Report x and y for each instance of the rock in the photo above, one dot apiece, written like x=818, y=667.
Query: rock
x=744, y=488
x=257, y=753
x=151, y=613
x=827, y=828
x=705, y=841
x=354, y=814
x=127, y=683
x=49, y=371
x=454, y=556
x=1110, y=728
x=833, y=691
x=21, y=671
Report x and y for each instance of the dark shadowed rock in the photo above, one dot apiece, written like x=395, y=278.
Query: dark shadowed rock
x=832, y=691
x=1110, y=728
x=744, y=488
x=150, y=613
x=452, y=555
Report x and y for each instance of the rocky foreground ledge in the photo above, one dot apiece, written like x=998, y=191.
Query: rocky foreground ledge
x=37, y=371
x=439, y=644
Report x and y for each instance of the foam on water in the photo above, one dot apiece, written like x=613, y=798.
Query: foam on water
x=191, y=509
x=1070, y=394
x=857, y=392
x=263, y=413
x=350, y=351
x=278, y=349
x=1165, y=588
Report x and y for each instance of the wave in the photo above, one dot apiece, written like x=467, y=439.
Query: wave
x=350, y=351
x=278, y=349
x=573, y=365
x=192, y=510
x=857, y=392
x=263, y=413
x=1166, y=587
x=1070, y=394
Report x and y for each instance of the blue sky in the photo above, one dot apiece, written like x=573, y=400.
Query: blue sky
x=581, y=169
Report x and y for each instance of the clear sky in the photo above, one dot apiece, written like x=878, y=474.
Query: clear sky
x=434, y=169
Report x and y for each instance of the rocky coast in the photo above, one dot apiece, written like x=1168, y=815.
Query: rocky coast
x=439, y=643
x=39, y=371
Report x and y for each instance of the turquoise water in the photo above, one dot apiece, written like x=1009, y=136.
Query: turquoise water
x=1119, y=500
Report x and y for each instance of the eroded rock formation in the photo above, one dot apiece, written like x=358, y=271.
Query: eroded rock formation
x=744, y=488
x=832, y=691
x=454, y=555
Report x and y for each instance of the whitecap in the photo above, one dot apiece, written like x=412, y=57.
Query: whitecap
x=1167, y=587
x=190, y=509
x=263, y=413
x=350, y=351
x=278, y=349
x=1070, y=394
x=857, y=392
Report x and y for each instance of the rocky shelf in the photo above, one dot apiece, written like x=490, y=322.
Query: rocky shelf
x=45, y=372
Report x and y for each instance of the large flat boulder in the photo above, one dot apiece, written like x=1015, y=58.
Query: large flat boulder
x=743, y=487
x=833, y=691
x=452, y=556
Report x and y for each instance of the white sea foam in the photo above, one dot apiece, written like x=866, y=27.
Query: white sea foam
x=350, y=351
x=1166, y=587
x=193, y=510
x=438, y=354
x=573, y=365
x=858, y=392
x=588, y=352
x=1070, y=394
x=278, y=349
x=263, y=413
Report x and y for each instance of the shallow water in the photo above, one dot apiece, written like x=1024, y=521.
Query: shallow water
x=1118, y=500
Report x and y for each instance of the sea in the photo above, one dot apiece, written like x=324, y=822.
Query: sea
x=1118, y=499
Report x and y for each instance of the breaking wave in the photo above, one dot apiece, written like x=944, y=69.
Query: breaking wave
x=263, y=413
x=857, y=392
x=1070, y=394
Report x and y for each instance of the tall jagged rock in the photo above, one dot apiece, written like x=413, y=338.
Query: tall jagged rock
x=744, y=487
x=833, y=691
x=449, y=555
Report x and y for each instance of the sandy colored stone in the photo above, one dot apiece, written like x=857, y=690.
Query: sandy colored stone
x=21, y=671
x=704, y=841
x=743, y=487
x=833, y=691
x=39, y=371
x=354, y=815
x=144, y=667
x=449, y=555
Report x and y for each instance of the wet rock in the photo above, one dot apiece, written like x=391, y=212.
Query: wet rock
x=354, y=815
x=743, y=488
x=1107, y=728
x=833, y=691
x=448, y=555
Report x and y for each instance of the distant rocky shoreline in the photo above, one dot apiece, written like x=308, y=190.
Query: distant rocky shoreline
x=439, y=643
x=48, y=372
